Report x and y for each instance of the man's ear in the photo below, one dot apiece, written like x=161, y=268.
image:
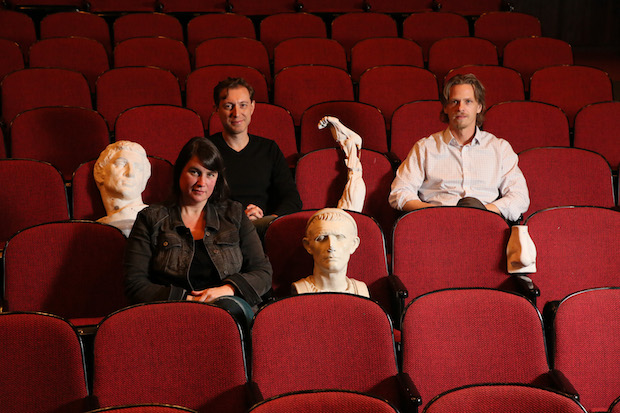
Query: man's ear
x=253, y=107
x=306, y=243
x=356, y=243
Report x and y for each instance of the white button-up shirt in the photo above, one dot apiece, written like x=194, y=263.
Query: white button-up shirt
x=440, y=171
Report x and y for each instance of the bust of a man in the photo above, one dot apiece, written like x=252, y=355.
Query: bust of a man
x=331, y=238
x=121, y=173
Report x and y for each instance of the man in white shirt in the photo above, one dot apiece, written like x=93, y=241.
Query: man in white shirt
x=462, y=165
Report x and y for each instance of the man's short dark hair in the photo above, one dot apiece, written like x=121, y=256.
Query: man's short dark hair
x=231, y=83
x=479, y=94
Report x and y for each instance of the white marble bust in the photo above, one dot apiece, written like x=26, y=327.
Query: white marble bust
x=121, y=173
x=331, y=238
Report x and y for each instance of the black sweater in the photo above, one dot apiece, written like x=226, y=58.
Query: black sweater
x=259, y=175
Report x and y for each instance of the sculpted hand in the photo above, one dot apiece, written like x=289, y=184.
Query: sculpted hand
x=253, y=212
x=210, y=294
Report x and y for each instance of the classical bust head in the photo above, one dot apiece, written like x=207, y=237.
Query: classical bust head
x=121, y=173
x=331, y=238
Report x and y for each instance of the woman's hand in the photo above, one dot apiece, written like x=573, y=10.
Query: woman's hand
x=210, y=294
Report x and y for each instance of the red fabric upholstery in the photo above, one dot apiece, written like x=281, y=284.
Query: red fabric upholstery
x=321, y=176
x=147, y=25
x=492, y=398
x=63, y=136
x=566, y=176
x=528, y=54
x=20, y=209
x=502, y=84
x=309, y=50
x=575, y=250
x=263, y=8
x=201, y=82
x=123, y=88
x=593, y=130
x=456, y=337
x=102, y=6
x=291, y=262
x=527, y=124
x=428, y=231
x=87, y=202
x=350, y=28
x=324, y=401
x=209, y=26
x=143, y=408
x=426, y=28
x=381, y=51
x=34, y=88
x=81, y=24
x=470, y=8
x=587, y=349
x=42, y=365
x=277, y=27
x=332, y=341
x=450, y=53
x=19, y=28
x=570, y=87
x=160, y=52
x=182, y=353
x=81, y=54
x=12, y=57
x=234, y=51
x=502, y=27
x=411, y=6
x=388, y=87
x=272, y=122
x=413, y=121
x=194, y=6
x=72, y=269
x=333, y=6
x=364, y=119
x=161, y=129
x=299, y=87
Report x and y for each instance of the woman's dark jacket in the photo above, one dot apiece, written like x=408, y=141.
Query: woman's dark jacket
x=160, y=249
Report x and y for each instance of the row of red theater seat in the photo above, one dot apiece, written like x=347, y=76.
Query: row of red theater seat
x=271, y=28
x=163, y=129
x=250, y=7
x=555, y=175
x=45, y=264
x=195, y=355
x=296, y=88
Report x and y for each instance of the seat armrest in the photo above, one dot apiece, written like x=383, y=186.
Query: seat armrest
x=410, y=392
x=562, y=384
x=400, y=292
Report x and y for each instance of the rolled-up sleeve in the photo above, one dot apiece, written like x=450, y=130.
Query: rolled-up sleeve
x=514, y=196
x=409, y=178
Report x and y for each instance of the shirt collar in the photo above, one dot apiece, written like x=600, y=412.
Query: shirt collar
x=449, y=139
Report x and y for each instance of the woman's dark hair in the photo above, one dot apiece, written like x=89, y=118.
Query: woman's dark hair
x=210, y=158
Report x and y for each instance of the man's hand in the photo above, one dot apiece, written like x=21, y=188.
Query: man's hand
x=210, y=294
x=492, y=208
x=253, y=212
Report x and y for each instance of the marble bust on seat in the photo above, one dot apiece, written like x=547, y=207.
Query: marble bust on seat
x=331, y=238
x=121, y=173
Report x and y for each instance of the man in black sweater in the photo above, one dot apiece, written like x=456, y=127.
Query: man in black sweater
x=256, y=169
